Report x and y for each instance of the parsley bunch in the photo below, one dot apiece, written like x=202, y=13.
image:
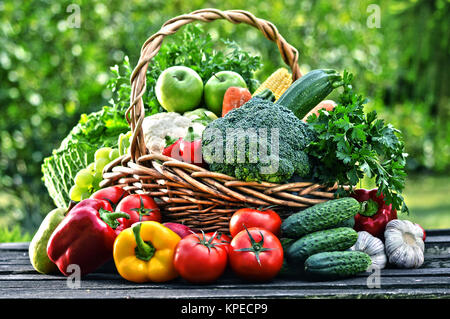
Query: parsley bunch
x=351, y=144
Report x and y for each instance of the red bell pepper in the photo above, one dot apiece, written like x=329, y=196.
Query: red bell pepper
x=172, y=148
x=374, y=213
x=191, y=148
x=187, y=149
x=85, y=237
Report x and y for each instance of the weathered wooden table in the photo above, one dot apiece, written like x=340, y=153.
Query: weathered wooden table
x=18, y=280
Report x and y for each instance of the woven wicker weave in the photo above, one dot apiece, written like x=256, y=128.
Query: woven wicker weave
x=186, y=193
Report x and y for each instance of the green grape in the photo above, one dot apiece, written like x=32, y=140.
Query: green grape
x=96, y=185
x=114, y=154
x=91, y=168
x=85, y=195
x=76, y=192
x=102, y=153
x=84, y=178
x=98, y=177
x=100, y=164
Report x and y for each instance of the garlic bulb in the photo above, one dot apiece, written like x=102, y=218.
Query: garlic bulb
x=372, y=246
x=404, y=244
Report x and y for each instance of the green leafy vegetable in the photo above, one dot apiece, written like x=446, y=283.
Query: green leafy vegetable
x=259, y=141
x=77, y=150
x=351, y=144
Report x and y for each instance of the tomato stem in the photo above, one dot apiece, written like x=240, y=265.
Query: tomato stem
x=257, y=247
x=208, y=243
x=142, y=211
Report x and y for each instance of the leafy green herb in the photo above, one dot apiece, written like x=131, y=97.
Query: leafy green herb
x=193, y=48
x=351, y=144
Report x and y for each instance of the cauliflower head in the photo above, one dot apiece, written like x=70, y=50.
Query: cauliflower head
x=156, y=127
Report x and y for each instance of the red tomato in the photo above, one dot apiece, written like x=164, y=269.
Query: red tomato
x=199, y=258
x=256, y=254
x=250, y=217
x=221, y=238
x=113, y=193
x=140, y=208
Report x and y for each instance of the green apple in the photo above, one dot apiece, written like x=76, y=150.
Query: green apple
x=216, y=87
x=179, y=89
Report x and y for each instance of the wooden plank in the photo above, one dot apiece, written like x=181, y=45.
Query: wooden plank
x=430, y=243
x=18, y=279
x=437, y=232
x=14, y=246
x=18, y=254
x=12, y=262
x=183, y=293
x=433, y=264
x=108, y=269
x=419, y=272
x=443, y=263
x=438, y=236
x=113, y=281
x=443, y=241
x=26, y=267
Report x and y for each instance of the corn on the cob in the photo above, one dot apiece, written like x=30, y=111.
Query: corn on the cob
x=277, y=82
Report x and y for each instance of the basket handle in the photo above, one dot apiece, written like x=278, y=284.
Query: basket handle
x=135, y=113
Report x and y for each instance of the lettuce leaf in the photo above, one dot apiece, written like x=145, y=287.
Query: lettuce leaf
x=93, y=131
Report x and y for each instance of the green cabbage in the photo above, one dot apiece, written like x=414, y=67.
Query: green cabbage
x=93, y=131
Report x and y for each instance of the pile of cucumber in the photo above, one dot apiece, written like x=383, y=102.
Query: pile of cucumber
x=316, y=241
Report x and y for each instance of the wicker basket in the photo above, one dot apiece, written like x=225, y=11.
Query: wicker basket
x=186, y=193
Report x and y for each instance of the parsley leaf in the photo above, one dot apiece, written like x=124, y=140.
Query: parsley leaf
x=351, y=144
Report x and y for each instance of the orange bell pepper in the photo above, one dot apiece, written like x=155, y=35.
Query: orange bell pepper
x=145, y=251
x=234, y=98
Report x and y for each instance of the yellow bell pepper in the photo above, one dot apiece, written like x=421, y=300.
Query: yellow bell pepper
x=145, y=251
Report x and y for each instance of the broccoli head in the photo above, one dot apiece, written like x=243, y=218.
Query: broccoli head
x=260, y=141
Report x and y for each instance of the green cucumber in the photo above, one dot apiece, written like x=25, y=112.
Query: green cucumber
x=266, y=94
x=322, y=216
x=309, y=90
x=348, y=223
x=337, y=264
x=288, y=269
x=335, y=239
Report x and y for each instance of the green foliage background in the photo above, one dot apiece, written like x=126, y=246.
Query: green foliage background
x=51, y=73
